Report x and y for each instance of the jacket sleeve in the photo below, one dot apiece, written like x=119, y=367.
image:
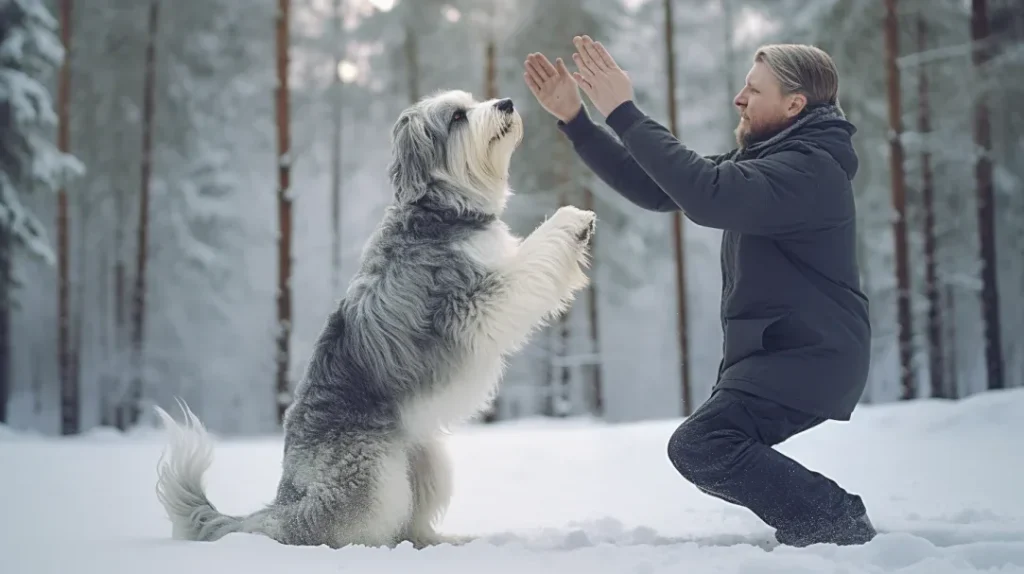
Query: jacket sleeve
x=611, y=162
x=776, y=194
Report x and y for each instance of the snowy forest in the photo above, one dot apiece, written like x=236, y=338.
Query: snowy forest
x=186, y=186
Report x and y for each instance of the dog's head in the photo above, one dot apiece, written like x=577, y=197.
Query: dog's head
x=452, y=146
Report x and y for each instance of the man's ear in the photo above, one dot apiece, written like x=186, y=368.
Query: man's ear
x=795, y=103
x=412, y=157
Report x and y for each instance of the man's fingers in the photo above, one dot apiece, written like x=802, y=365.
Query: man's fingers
x=582, y=66
x=561, y=68
x=534, y=69
x=532, y=84
x=582, y=53
x=604, y=55
x=585, y=84
x=533, y=66
x=593, y=55
x=543, y=64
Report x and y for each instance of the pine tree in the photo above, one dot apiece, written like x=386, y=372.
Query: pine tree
x=284, y=209
x=29, y=161
x=130, y=410
x=984, y=187
x=896, y=167
x=678, y=241
x=935, y=349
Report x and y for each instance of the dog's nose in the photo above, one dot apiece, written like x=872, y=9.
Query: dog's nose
x=504, y=105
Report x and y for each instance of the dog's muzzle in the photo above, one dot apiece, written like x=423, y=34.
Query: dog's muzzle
x=507, y=109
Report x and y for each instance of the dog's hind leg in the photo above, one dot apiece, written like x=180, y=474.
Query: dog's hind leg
x=346, y=497
x=380, y=518
x=430, y=471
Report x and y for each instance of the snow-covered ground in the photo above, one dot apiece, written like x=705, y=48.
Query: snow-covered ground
x=945, y=482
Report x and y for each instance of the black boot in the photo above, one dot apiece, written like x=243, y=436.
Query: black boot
x=847, y=533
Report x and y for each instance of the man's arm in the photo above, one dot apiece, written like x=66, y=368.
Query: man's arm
x=761, y=196
x=607, y=158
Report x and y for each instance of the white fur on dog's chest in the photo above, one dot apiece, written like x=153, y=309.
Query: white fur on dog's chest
x=457, y=400
x=493, y=247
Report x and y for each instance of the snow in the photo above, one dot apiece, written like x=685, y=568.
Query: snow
x=941, y=480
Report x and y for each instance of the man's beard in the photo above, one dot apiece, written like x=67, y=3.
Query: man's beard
x=749, y=135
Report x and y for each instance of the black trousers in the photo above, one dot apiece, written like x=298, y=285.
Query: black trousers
x=725, y=449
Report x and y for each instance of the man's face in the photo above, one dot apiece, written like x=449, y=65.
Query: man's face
x=762, y=107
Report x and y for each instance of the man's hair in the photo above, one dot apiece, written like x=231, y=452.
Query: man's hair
x=802, y=69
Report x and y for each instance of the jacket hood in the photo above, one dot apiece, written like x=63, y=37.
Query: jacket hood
x=823, y=126
x=835, y=137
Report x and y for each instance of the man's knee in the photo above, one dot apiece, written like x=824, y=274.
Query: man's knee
x=680, y=446
x=697, y=453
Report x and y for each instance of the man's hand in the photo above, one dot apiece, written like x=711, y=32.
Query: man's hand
x=607, y=85
x=553, y=86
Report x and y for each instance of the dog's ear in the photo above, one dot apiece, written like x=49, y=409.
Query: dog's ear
x=412, y=157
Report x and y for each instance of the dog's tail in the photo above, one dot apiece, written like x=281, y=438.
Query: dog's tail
x=179, y=484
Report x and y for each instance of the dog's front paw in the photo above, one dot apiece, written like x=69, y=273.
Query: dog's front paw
x=580, y=223
x=586, y=235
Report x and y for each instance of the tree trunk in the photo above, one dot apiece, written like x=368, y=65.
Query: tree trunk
x=336, y=106
x=728, y=22
x=284, y=213
x=120, y=309
x=6, y=252
x=563, y=402
x=132, y=406
x=69, y=392
x=120, y=328
x=899, y=201
x=678, y=240
x=79, y=308
x=81, y=281
x=491, y=71
x=106, y=355
x=412, y=62
x=986, y=200
x=865, y=280
x=561, y=395
x=37, y=381
x=597, y=389
x=935, y=347
x=952, y=380
x=548, y=384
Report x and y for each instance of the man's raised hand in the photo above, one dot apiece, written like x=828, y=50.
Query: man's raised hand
x=553, y=86
x=605, y=83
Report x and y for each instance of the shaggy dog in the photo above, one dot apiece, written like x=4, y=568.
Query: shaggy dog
x=445, y=293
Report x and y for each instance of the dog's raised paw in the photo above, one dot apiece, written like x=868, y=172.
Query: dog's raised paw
x=586, y=235
x=580, y=222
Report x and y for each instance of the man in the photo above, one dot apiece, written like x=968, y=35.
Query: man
x=797, y=334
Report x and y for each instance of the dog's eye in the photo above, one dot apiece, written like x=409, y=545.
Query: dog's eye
x=458, y=116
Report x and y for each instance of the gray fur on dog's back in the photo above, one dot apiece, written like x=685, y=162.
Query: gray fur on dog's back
x=443, y=294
